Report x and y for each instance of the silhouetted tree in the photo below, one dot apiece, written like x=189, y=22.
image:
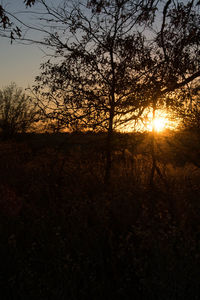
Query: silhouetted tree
x=178, y=59
x=188, y=109
x=111, y=59
x=98, y=80
x=110, y=69
x=17, y=112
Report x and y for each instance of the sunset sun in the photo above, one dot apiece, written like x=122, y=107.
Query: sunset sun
x=158, y=124
x=161, y=122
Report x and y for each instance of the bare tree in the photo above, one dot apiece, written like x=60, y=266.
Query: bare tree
x=17, y=113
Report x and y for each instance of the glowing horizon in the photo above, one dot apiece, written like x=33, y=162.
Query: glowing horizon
x=161, y=122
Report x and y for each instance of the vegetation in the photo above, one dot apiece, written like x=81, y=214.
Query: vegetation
x=109, y=71
x=93, y=213
x=17, y=112
x=64, y=234
x=111, y=59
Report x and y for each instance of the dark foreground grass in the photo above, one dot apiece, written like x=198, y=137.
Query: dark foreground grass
x=64, y=234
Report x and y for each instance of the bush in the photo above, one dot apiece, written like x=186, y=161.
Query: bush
x=17, y=111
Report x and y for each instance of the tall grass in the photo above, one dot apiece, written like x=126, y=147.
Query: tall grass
x=65, y=235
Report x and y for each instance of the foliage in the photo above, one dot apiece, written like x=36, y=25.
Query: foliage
x=188, y=109
x=17, y=112
x=96, y=81
x=106, y=70
x=4, y=19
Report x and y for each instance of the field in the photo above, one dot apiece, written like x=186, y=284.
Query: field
x=66, y=234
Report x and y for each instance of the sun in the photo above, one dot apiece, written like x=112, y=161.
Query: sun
x=158, y=124
x=162, y=122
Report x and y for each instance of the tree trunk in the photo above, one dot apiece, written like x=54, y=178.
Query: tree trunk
x=153, y=154
x=108, y=166
x=155, y=167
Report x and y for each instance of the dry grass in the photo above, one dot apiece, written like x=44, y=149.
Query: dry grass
x=64, y=234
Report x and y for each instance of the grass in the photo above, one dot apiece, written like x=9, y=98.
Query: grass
x=65, y=235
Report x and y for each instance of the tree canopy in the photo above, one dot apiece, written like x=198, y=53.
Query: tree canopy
x=109, y=60
x=118, y=57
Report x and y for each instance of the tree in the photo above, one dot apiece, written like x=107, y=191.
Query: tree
x=17, y=112
x=177, y=45
x=110, y=70
x=111, y=59
x=97, y=81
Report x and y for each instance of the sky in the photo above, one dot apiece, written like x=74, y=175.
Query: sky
x=18, y=63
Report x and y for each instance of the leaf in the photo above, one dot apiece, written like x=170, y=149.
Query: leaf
x=29, y=2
